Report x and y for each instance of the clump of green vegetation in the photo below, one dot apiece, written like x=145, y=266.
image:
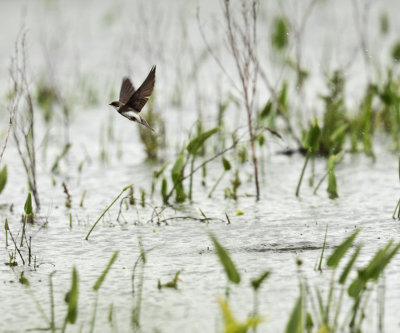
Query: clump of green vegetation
x=152, y=142
x=71, y=299
x=326, y=315
x=47, y=98
x=231, y=193
x=311, y=143
x=189, y=154
x=231, y=324
x=334, y=125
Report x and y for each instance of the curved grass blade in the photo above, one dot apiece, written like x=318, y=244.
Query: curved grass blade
x=198, y=141
x=105, y=211
x=256, y=283
x=226, y=261
x=346, y=270
x=103, y=275
x=340, y=251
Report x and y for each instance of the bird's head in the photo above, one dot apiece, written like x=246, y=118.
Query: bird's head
x=115, y=104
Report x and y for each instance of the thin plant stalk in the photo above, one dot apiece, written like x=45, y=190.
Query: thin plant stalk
x=397, y=210
x=106, y=210
x=52, y=316
x=23, y=232
x=191, y=176
x=216, y=184
x=6, y=230
x=302, y=173
x=93, y=321
x=320, y=182
x=323, y=250
x=243, y=67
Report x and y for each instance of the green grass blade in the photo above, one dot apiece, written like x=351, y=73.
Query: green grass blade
x=176, y=174
x=28, y=205
x=256, y=283
x=105, y=211
x=322, y=251
x=103, y=275
x=340, y=251
x=347, y=269
x=295, y=323
x=199, y=141
x=227, y=165
x=71, y=298
x=226, y=261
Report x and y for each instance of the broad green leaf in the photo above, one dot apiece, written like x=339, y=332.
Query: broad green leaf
x=3, y=178
x=28, y=205
x=71, y=298
x=198, y=141
x=340, y=251
x=226, y=164
x=313, y=137
x=295, y=325
x=103, y=275
x=280, y=34
x=267, y=110
x=226, y=261
x=176, y=174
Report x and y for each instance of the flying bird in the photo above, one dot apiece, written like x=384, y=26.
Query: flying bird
x=132, y=101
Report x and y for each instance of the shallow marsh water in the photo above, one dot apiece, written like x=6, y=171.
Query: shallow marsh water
x=270, y=234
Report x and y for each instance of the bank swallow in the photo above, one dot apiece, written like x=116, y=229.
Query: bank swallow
x=132, y=101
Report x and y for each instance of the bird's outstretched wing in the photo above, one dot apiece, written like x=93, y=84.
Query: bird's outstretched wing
x=127, y=90
x=141, y=96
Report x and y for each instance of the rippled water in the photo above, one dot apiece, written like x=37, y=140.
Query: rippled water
x=270, y=235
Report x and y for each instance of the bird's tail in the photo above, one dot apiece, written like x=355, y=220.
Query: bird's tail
x=144, y=122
